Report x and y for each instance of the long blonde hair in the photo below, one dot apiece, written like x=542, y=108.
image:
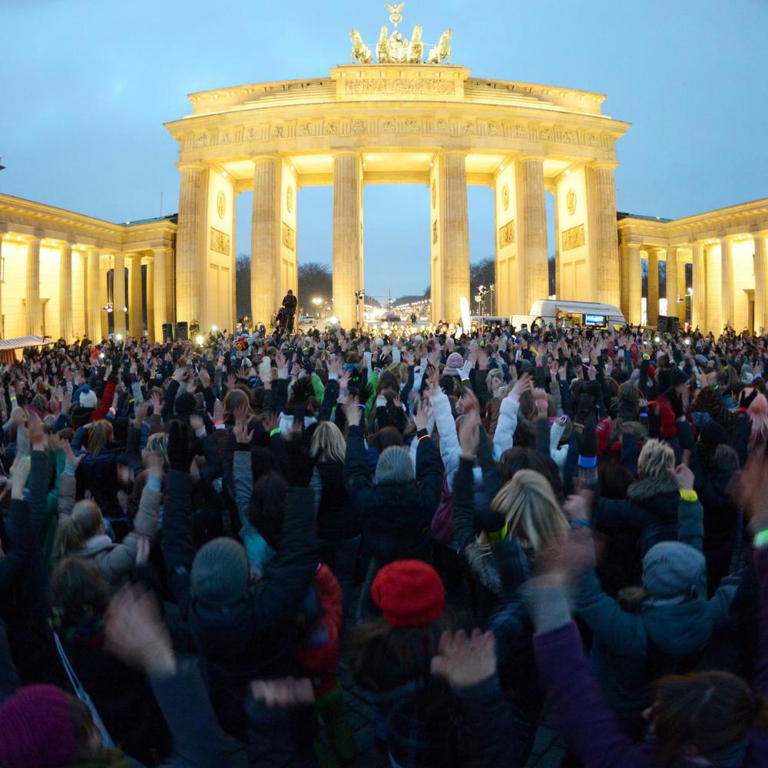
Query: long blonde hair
x=75, y=529
x=531, y=511
x=328, y=443
x=99, y=436
x=656, y=459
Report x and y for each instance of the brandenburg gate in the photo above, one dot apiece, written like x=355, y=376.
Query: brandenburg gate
x=410, y=118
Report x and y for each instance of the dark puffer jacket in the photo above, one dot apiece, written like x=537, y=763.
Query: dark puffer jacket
x=651, y=508
x=254, y=637
x=395, y=518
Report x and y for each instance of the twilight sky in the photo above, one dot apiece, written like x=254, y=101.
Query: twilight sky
x=85, y=86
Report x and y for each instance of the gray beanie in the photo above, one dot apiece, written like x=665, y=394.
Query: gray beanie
x=672, y=568
x=395, y=466
x=219, y=572
x=88, y=399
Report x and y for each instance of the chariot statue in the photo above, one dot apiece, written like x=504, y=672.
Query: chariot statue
x=396, y=49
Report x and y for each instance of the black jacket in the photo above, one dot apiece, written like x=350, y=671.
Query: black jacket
x=254, y=637
x=395, y=518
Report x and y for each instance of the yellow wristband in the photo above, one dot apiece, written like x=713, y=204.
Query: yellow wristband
x=688, y=494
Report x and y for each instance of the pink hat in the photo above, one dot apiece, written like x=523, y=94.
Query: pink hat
x=455, y=362
x=36, y=729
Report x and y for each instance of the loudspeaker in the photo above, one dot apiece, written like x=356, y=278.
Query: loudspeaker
x=182, y=331
x=167, y=332
x=663, y=324
x=673, y=324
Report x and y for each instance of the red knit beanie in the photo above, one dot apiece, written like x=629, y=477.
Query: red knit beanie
x=36, y=729
x=409, y=593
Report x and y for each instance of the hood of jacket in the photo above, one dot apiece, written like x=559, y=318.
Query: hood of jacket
x=95, y=545
x=649, y=489
x=677, y=629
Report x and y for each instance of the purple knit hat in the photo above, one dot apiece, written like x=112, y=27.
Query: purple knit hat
x=36, y=729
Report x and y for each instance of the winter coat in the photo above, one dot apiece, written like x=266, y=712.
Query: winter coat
x=577, y=704
x=631, y=649
x=252, y=638
x=335, y=520
x=651, y=507
x=395, y=518
x=114, y=561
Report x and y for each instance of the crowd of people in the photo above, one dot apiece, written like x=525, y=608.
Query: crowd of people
x=482, y=532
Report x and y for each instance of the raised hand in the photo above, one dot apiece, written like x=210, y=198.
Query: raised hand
x=20, y=473
x=205, y=378
x=241, y=432
x=423, y=414
x=352, y=411
x=465, y=661
x=469, y=435
x=135, y=632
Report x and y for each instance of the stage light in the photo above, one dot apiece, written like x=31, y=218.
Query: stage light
x=199, y=339
x=119, y=336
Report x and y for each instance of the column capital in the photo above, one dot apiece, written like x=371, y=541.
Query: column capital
x=759, y=233
x=191, y=166
x=607, y=165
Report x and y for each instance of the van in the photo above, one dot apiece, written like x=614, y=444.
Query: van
x=569, y=314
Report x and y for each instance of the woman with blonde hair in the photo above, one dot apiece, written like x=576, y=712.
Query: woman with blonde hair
x=338, y=529
x=82, y=532
x=531, y=512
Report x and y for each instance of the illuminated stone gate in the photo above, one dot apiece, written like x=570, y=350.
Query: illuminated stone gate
x=406, y=122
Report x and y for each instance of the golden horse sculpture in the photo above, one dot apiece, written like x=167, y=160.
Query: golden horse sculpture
x=382, y=47
x=416, y=48
x=360, y=51
x=442, y=50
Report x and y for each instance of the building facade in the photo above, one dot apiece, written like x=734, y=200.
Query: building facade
x=726, y=283
x=428, y=124
x=57, y=273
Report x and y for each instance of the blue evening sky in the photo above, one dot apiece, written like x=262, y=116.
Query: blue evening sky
x=85, y=86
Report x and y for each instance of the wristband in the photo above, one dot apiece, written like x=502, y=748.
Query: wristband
x=423, y=437
x=761, y=539
x=218, y=424
x=688, y=494
x=587, y=462
x=581, y=522
x=275, y=431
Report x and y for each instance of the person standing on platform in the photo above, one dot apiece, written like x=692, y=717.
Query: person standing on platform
x=289, y=305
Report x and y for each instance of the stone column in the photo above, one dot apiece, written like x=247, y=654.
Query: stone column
x=265, y=239
x=635, y=288
x=159, y=291
x=34, y=308
x=673, y=289
x=118, y=293
x=454, y=231
x=65, y=291
x=603, y=234
x=347, y=245
x=3, y=277
x=94, y=300
x=699, y=303
x=727, y=291
x=761, y=282
x=532, y=231
x=192, y=243
x=652, y=314
x=135, y=306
